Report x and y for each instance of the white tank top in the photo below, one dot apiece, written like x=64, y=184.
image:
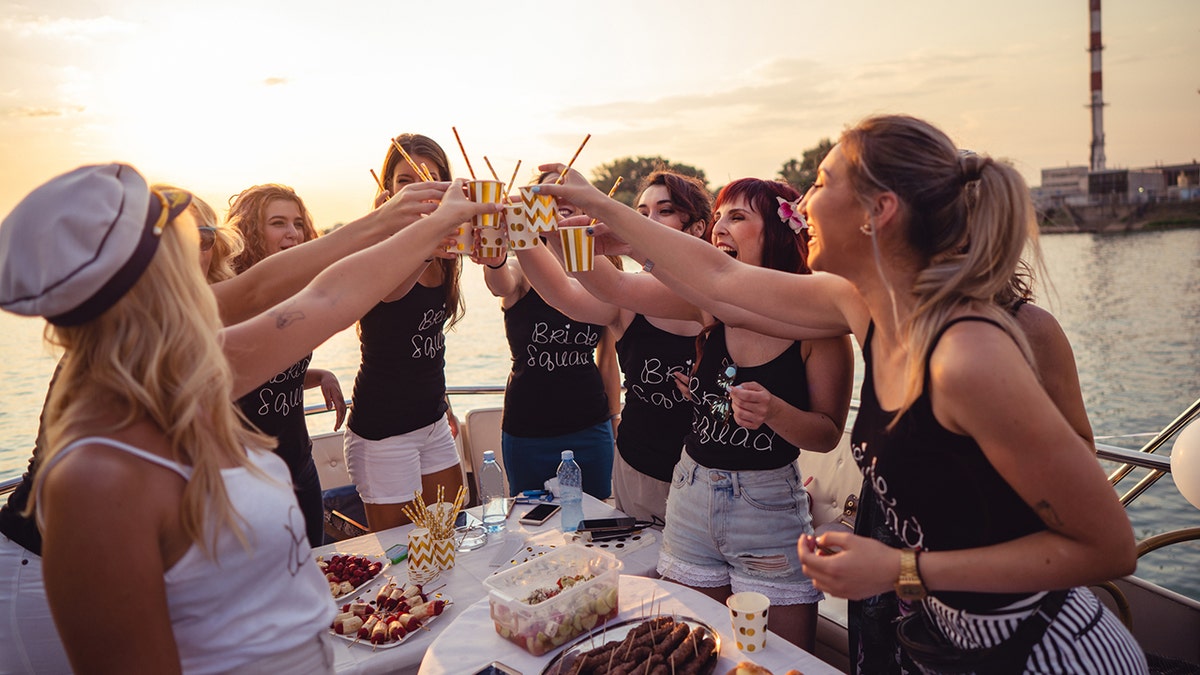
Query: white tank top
x=247, y=604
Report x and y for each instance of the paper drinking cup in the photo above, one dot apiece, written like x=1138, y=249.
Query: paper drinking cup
x=486, y=192
x=493, y=241
x=748, y=612
x=541, y=210
x=521, y=234
x=422, y=563
x=464, y=240
x=579, y=248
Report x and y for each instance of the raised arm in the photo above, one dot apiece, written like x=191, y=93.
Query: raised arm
x=282, y=275
x=264, y=345
x=640, y=293
x=560, y=291
x=821, y=302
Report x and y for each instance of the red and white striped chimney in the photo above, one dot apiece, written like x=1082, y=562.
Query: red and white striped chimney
x=1097, y=104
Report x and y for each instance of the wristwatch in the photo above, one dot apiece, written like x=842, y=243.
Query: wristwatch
x=908, y=584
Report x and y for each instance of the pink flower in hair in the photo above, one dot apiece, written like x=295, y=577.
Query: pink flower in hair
x=789, y=212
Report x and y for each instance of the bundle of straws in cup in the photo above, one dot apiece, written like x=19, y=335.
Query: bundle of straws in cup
x=439, y=517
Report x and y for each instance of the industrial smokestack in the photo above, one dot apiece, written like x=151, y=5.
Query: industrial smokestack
x=1097, y=104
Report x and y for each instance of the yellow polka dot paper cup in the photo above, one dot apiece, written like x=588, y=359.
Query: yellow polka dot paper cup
x=493, y=241
x=520, y=234
x=748, y=611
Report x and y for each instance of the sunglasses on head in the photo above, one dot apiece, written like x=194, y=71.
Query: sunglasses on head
x=723, y=407
x=208, y=237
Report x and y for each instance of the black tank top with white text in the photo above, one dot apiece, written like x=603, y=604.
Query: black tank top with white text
x=401, y=381
x=276, y=408
x=718, y=443
x=554, y=387
x=937, y=489
x=656, y=416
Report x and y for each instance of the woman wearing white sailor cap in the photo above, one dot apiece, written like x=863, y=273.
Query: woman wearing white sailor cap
x=159, y=511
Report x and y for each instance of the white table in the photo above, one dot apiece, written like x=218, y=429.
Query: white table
x=463, y=583
x=470, y=642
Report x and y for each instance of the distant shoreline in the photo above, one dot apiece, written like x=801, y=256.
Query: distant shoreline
x=1118, y=218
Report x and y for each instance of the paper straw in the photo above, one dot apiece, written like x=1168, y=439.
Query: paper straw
x=611, y=192
x=377, y=181
x=514, y=177
x=408, y=159
x=489, y=163
x=427, y=174
x=464, y=152
x=562, y=176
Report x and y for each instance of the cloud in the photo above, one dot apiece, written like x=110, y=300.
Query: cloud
x=274, y=81
x=29, y=111
x=66, y=28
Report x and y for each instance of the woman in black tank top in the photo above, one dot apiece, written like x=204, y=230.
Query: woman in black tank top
x=656, y=416
x=917, y=235
x=736, y=494
x=399, y=439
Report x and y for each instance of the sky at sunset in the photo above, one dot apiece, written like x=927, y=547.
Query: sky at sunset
x=219, y=95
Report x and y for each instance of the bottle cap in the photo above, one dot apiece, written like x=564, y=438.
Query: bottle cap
x=568, y=454
x=489, y=455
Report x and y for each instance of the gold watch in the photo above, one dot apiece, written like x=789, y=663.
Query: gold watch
x=908, y=584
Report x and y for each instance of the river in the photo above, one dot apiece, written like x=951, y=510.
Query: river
x=1129, y=303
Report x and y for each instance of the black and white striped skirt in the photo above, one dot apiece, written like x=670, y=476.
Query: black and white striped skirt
x=1085, y=636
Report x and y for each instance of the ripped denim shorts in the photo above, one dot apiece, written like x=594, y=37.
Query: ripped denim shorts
x=738, y=528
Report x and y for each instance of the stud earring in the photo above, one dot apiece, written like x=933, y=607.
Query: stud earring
x=866, y=228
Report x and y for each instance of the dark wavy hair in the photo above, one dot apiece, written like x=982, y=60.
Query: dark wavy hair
x=783, y=249
x=689, y=194
x=416, y=144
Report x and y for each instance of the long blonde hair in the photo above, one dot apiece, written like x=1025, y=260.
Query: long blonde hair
x=969, y=217
x=227, y=240
x=156, y=355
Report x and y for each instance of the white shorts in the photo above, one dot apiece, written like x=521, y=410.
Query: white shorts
x=28, y=639
x=389, y=471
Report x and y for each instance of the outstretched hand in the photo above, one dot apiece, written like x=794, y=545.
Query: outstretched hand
x=608, y=243
x=411, y=203
x=574, y=188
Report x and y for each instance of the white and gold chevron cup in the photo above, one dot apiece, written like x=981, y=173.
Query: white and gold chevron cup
x=541, y=210
x=443, y=547
x=579, y=248
x=422, y=561
x=520, y=234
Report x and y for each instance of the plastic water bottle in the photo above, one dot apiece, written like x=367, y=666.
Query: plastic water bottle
x=493, y=492
x=570, y=491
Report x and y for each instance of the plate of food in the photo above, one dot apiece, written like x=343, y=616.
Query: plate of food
x=681, y=643
x=347, y=573
x=391, y=618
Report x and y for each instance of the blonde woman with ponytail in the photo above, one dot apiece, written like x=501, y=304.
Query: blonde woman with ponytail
x=1004, y=514
x=171, y=538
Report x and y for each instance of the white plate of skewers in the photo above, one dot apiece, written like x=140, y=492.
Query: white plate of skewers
x=347, y=573
x=396, y=613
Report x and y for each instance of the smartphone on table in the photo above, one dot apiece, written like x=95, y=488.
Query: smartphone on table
x=539, y=514
x=599, y=526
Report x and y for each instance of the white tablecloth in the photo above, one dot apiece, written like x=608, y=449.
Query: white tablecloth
x=470, y=641
x=464, y=583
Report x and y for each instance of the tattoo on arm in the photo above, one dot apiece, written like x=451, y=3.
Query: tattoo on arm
x=286, y=317
x=1047, y=513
